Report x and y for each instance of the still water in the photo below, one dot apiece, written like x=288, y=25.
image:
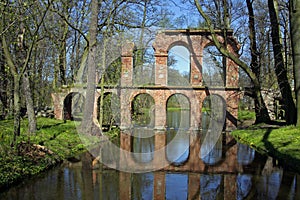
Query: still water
x=258, y=177
x=261, y=179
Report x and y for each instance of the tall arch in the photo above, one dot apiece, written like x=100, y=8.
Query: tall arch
x=213, y=67
x=178, y=112
x=179, y=69
x=143, y=118
x=73, y=106
x=178, y=124
x=213, y=116
x=142, y=110
x=143, y=66
x=111, y=110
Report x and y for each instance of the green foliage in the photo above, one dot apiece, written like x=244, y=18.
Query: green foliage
x=113, y=133
x=246, y=115
x=282, y=143
x=60, y=138
x=142, y=109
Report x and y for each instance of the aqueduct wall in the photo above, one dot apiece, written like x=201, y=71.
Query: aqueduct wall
x=195, y=41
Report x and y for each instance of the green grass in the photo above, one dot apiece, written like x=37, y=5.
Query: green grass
x=246, y=115
x=59, y=137
x=282, y=143
x=177, y=108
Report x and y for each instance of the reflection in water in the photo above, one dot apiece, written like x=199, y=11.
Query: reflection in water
x=178, y=119
x=143, y=145
x=265, y=182
x=214, y=155
x=268, y=185
x=210, y=155
x=79, y=183
x=178, y=141
x=210, y=186
x=213, y=119
x=142, y=186
x=109, y=185
x=245, y=154
x=177, y=150
x=176, y=186
x=244, y=184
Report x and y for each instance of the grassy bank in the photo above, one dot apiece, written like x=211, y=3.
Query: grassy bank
x=280, y=142
x=53, y=142
x=246, y=115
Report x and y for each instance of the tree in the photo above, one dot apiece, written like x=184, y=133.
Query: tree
x=3, y=85
x=295, y=37
x=280, y=70
x=255, y=64
x=18, y=59
x=261, y=112
x=87, y=124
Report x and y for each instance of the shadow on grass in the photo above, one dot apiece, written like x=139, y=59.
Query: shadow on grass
x=285, y=160
x=50, y=126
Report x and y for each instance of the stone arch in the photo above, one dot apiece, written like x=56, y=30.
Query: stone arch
x=143, y=121
x=213, y=66
x=179, y=64
x=142, y=110
x=178, y=108
x=213, y=115
x=178, y=43
x=143, y=66
x=111, y=109
x=178, y=102
x=73, y=106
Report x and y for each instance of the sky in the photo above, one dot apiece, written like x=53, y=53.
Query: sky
x=182, y=56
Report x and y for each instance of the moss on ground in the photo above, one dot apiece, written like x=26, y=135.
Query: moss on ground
x=246, y=115
x=53, y=142
x=283, y=143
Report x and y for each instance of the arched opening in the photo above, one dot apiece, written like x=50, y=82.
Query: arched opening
x=142, y=110
x=73, y=106
x=178, y=112
x=178, y=124
x=112, y=74
x=111, y=111
x=213, y=116
x=142, y=116
x=143, y=66
x=179, y=68
x=213, y=67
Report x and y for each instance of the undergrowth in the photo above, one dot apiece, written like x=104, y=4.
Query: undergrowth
x=57, y=141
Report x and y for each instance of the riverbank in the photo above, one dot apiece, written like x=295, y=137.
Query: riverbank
x=280, y=142
x=54, y=142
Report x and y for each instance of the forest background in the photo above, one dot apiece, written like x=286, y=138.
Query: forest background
x=49, y=44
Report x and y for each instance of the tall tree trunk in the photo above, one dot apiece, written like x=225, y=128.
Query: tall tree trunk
x=255, y=65
x=295, y=36
x=62, y=62
x=17, y=109
x=262, y=113
x=87, y=124
x=22, y=53
x=16, y=91
x=3, y=84
x=29, y=104
x=280, y=70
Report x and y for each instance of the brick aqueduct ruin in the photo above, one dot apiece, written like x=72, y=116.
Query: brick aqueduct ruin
x=196, y=92
x=195, y=41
